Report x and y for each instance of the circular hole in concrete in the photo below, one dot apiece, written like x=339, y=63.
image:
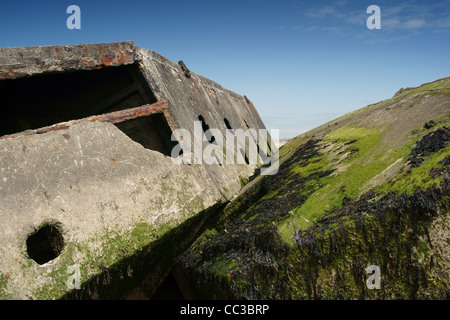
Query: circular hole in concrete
x=46, y=243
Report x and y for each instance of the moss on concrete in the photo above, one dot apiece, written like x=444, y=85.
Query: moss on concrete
x=3, y=285
x=111, y=263
x=138, y=258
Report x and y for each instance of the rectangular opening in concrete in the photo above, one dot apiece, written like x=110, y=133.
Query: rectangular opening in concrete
x=152, y=132
x=54, y=97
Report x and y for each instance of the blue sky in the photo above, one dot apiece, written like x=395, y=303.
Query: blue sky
x=302, y=63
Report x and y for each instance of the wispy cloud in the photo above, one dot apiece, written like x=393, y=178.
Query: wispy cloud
x=405, y=16
x=324, y=12
x=391, y=23
x=414, y=16
x=398, y=23
x=394, y=11
x=443, y=23
x=344, y=17
x=356, y=18
x=413, y=24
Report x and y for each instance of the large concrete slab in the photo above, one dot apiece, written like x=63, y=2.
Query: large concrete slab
x=103, y=197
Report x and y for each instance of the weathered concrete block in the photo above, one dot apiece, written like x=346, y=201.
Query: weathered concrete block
x=88, y=205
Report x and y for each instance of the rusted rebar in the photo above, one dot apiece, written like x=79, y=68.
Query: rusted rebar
x=112, y=117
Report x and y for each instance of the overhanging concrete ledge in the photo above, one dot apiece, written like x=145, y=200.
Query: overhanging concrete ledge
x=87, y=182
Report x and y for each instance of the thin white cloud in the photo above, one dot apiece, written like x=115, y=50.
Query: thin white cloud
x=391, y=11
x=357, y=18
x=390, y=23
x=398, y=23
x=404, y=18
x=341, y=3
x=442, y=23
x=413, y=24
x=323, y=12
x=434, y=15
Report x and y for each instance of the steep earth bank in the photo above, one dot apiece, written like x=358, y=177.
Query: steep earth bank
x=368, y=190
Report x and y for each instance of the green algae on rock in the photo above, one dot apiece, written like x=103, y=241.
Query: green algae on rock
x=371, y=188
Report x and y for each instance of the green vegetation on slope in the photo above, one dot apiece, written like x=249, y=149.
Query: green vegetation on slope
x=369, y=188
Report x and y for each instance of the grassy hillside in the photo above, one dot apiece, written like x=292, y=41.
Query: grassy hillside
x=369, y=188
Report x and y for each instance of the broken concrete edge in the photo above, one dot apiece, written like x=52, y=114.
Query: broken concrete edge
x=108, y=245
x=112, y=117
x=17, y=62
x=71, y=178
x=196, y=94
x=104, y=241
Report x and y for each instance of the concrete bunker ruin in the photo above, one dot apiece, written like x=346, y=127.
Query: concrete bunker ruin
x=86, y=174
x=57, y=97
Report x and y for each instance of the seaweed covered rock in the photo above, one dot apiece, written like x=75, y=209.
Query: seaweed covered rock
x=248, y=243
x=432, y=142
x=429, y=124
x=370, y=191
